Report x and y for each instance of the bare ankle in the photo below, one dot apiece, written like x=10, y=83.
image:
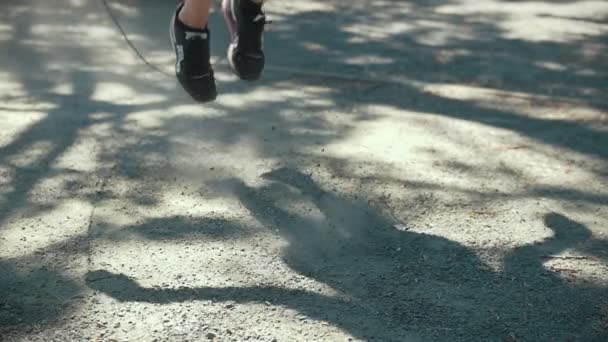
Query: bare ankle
x=194, y=15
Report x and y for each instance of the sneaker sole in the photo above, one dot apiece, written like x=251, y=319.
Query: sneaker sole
x=252, y=77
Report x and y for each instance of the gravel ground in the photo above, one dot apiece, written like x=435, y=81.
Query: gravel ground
x=405, y=171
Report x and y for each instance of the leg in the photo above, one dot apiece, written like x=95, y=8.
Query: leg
x=190, y=39
x=195, y=13
x=246, y=21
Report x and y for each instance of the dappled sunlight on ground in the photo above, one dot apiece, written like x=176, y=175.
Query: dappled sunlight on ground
x=536, y=20
x=404, y=170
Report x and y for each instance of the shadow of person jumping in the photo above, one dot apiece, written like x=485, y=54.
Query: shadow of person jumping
x=399, y=285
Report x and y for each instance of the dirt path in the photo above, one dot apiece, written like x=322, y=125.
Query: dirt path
x=405, y=171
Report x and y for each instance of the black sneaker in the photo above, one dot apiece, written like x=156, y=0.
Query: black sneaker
x=192, y=66
x=246, y=21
